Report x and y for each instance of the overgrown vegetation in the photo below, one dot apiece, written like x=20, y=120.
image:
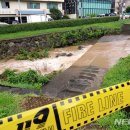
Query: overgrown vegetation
x=56, y=14
x=117, y=74
x=29, y=79
x=65, y=17
x=54, y=24
x=31, y=55
x=128, y=9
x=79, y=35
x=9, y=104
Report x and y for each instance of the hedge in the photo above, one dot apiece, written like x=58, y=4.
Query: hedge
x=54, y=24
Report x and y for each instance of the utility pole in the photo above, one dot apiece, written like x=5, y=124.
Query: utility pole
x=75, y=4
x=20, y=11
x=81, y=8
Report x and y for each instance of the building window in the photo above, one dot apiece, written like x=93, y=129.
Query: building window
x=33, y=5
x=5, y=4
x=52, y=5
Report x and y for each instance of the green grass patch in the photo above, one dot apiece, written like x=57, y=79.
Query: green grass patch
x=117, y=74
x=108, y=121
x=9, y=104
x=31, y=55
x=29, y=79
x=113, y=25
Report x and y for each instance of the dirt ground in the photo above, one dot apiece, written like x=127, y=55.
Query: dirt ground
x=32, y=102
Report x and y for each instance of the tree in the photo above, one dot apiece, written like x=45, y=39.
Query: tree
x=56, y=14
x=128, y=9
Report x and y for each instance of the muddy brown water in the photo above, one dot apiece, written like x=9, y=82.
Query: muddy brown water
x=47, y=65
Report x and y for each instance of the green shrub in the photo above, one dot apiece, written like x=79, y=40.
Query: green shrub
x=26, y=78
x=75, y=36
x=56, y=14
x=128, y=9
x=22, y=55
x=8, y=73
x=92, y=15
x=54, y=24
x=31, y=55
x=44, y=53
x=65, y=17
x=29, y=77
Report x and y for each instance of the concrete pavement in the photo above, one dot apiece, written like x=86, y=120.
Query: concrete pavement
x=86, y=74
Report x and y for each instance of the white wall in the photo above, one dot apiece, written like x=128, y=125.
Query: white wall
x=43, y=6
x=14, y=5
x=36, y=18
x=60, y=6
x=72, y=16
x=127, y=3
x=23, y=5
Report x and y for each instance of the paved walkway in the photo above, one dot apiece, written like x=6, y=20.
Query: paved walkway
x=87, y=73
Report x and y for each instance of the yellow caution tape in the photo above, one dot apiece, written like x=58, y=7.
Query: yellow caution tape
x=71, y=113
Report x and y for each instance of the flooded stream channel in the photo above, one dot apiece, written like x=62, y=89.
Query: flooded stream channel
x=59, y=59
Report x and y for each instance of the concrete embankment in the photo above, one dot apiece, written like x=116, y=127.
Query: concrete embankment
x=86, y=74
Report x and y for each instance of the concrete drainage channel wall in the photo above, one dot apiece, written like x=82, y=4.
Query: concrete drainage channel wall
x=13, y=46
x=16, y=90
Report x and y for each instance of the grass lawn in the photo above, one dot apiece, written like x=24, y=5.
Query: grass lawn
x=117, y=74
x=116, y=25
x=9, y=104
x=29, y=79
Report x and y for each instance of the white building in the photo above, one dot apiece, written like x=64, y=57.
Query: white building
x=29, y=10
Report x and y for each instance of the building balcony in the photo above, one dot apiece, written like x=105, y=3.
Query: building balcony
x=7, y=11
